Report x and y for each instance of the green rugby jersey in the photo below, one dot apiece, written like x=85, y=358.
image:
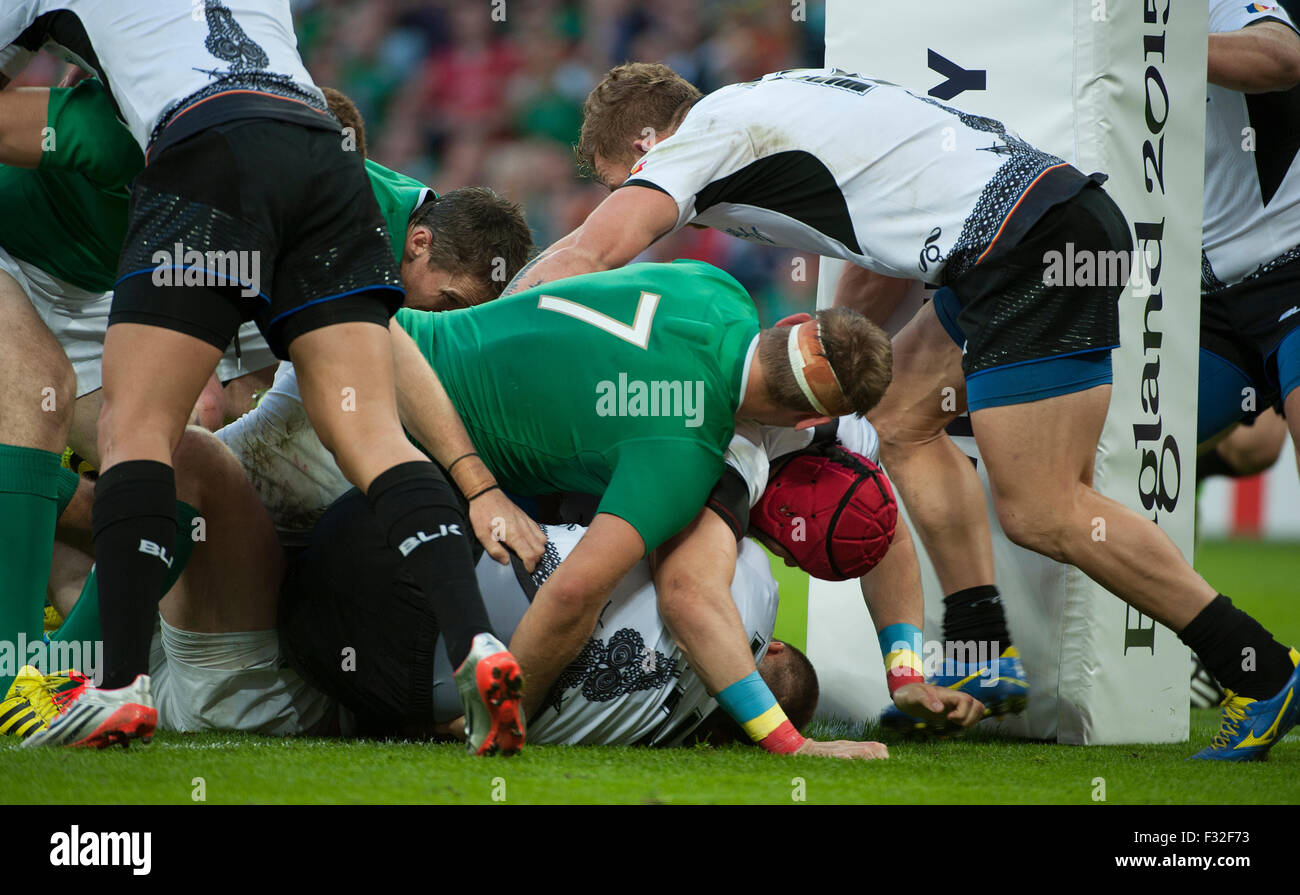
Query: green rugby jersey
x=622, y=383
x=398, y=196
x=68, y=215
x=74, y=205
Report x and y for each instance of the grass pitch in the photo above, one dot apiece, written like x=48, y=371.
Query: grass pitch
x=977, y=769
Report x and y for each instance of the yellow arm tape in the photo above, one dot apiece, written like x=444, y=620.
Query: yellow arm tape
x=764, y=724
x=903, y=658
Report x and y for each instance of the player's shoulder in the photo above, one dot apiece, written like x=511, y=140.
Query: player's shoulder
x=390, y=179
x=695, y=279
x=1233, y=15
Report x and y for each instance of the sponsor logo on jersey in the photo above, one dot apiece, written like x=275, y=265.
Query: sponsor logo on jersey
x=423, y=537
x=749, y=233
x=657, y=397
x=1258, y=7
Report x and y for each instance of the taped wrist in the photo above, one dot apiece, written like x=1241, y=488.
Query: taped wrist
x=754, y=708
x=900, y=644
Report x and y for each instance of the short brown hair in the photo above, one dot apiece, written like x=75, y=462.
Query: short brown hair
x=346, y=111
x=857, y=350
x=631, y=97
x=476, y=232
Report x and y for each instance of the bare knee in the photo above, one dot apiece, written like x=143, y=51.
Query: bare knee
x=204, y=467
x=42, y=395
x=1035, y=523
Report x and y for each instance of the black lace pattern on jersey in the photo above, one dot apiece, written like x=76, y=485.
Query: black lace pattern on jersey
x=606, y=671
x=1211, y=283
x=1023, y=165
x=247, y=60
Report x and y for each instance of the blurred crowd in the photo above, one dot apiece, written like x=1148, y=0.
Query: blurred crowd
x=490, y=92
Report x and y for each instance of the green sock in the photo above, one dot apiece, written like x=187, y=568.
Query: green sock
x=29, y=488
x=77, y=640
x=67, y=487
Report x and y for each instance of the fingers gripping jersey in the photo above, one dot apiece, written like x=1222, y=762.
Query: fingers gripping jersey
x=631, y=684
x=622, y=383
x=1252, y=198
x=839, y=164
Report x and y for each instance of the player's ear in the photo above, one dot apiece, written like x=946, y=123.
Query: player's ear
x=794, y=320
x=775, y=648
x=808, y=424
x=418, y=240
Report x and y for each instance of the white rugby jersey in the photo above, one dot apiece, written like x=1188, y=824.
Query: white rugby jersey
x=630, y=684
x=153, y=54
x=1252, y=198
x=843, y=165
x=754, y=448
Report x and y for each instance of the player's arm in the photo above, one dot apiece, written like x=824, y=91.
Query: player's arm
x=892, y=591
x=563, y=614
x=871, y=294
x=428, y=414
x=693, y=573
x=1256, y=59
x=22, y=125
x=619, y=229
x=525, y=273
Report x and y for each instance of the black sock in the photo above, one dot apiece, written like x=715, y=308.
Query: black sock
x=1237, y=650
x=974, y=614
x=422, y=519
x=134, y=525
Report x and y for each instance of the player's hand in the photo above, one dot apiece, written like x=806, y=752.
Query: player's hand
x=498, y=524
x=843, y=749
x=931, y=703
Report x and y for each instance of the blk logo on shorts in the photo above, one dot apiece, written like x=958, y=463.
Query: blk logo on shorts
x=421, y=537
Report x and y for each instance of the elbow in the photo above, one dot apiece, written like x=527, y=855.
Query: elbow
x=573, y=606
x=1289, y=70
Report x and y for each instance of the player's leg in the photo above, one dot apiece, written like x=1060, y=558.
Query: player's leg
x=218, y=649
x=37, y=386
x=1288, y=368
x=333, y=320
x=938, y=483
x=1040, y=457
x=152, y=377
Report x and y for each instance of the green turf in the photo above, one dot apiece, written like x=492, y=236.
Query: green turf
x=242, y=769
x=1261, y=577
x=979, y=768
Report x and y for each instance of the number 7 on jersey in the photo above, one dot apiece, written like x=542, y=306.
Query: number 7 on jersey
x=638, y=333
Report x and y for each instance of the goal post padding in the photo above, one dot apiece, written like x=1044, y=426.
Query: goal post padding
x=1112, y=87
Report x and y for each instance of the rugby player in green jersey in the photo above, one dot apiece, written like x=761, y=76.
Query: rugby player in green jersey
x=627, y=384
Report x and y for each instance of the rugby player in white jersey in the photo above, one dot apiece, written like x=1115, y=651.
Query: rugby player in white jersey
x=243, y=159
x=1250, y=241
x=851, y=167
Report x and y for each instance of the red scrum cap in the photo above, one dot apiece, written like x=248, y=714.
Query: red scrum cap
x=832, y=509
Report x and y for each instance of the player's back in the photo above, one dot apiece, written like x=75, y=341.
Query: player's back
x=552, y=382
x=155, y=55
x=844, y=165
